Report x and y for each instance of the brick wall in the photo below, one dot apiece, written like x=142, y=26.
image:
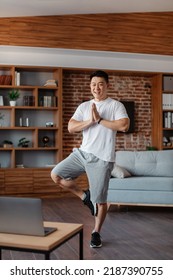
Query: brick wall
x=127, y=87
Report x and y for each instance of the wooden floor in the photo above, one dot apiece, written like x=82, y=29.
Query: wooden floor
x=128, y=233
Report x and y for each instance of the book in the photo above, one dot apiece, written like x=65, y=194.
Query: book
x=5, y=79
x=167, y=101
x=17, y=78
x=1, y=101
x=28, y=100
x=169, y=119
x=165, y=120
x=49, y=101
x=50, y=83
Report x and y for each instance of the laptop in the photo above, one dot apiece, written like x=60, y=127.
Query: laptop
x=19, y=215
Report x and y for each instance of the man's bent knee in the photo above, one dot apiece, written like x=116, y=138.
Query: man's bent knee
x=65, y=184
x=55, y=178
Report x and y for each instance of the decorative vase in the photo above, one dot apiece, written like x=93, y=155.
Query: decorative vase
x=12, y=102
x=8, y=145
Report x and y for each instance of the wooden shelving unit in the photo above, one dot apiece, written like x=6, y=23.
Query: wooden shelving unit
x=37, y=114
x=162, y=128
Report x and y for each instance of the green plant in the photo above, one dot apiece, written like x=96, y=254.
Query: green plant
x=23, y=142
x=13, y=94
x=8, y=142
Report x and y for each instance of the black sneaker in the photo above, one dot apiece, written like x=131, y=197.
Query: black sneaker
x=88, y=202
x=95, y=240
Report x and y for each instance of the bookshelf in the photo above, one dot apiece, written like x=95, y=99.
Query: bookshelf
x=37, y=118
x=162, y=109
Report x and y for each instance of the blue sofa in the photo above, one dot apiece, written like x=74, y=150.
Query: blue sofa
x=142, y=178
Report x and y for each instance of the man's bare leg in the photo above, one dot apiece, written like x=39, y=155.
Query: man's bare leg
x=99, y=219
x=69, y=185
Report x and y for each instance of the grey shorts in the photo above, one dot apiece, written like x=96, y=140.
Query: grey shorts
x=97, y=170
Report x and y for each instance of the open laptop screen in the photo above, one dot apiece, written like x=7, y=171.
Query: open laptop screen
x=19, y=215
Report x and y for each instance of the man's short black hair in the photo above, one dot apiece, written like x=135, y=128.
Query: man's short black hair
x=100, y=73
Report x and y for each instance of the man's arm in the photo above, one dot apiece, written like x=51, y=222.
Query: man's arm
x=119, y=125
x=77, y=126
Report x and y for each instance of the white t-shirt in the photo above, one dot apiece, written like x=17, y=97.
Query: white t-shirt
x=97, y=139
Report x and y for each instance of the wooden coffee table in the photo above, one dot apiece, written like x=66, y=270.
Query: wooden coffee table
x=46, y=244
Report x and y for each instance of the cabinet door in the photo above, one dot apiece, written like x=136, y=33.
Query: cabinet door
x=43, y=182
x=18, y=181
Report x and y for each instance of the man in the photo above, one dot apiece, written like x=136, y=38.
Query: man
x=99, y=119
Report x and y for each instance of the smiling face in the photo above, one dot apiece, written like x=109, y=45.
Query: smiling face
x=99, y=88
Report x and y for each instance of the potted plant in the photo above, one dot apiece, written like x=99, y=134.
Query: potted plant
x=13, y=96
x=7, y=144
x=23, y=142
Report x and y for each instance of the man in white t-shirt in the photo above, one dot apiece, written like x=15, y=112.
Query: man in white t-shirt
x=99, y=119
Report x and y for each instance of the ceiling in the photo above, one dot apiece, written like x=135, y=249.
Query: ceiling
x=11, y=8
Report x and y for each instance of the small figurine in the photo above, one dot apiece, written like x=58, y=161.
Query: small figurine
x=45, y=141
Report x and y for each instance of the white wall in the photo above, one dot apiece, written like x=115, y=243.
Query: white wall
x=84, y=59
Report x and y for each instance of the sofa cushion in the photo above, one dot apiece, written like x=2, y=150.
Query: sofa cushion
x=146, y=163
x=137, y=183
x=140, y=197
x=120, y=172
